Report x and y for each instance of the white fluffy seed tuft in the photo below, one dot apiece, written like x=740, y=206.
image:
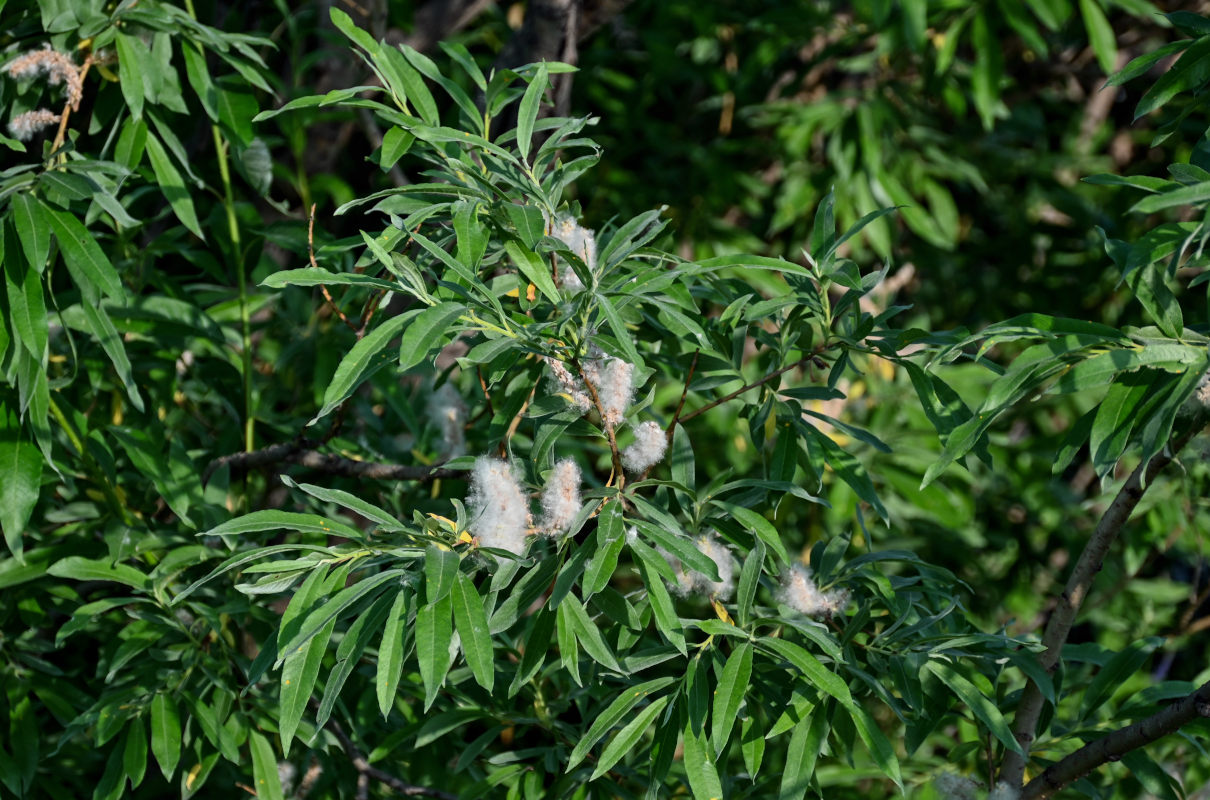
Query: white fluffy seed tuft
x=561, y=498
x=1003, y=791
x=25, y=126
x=647, y=450
x=690, y=581
x=448, y=410
x=799, y=592
x=955, y=787
x=499, y=511
x=581, y=241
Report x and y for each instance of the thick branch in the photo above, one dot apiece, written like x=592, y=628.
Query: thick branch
x=1061, y=620
x=303, y=452
x=1119, y=743
x=365, y=768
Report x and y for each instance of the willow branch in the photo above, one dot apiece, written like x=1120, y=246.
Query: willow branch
x=367, y=770
x=1119, y=743
x=314, y=265
x=1078, y=585
x=618, y=472
x=303, y=453
x=758, y=382
x=676, y=416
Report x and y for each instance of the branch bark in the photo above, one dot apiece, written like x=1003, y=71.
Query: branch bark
x=303, y=452
x=1118, y=743
x=366, y=770
x=1059, y=625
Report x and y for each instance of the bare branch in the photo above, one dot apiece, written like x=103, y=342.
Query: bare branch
x=758, y=382
x=1119, y=743
x=303, y=452
x=365, y=770
x=1059, y=625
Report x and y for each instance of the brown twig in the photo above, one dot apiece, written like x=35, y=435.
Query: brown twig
x=1012, y=771
x=369, y=771
x=68, y=107
x=676, y=416
x=618, y=472
x=303, y=452
x=487, y=396
x=758, y=382
x=314, y=265
x=515, y=422
x=1118, y=743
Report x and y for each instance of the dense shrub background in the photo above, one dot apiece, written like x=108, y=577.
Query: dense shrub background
x=134, y=379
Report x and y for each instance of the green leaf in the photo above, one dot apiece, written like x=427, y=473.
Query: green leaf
x=983, y=709
x=662, y=608
x=86, y=261
x=1117, y=673
x=33, y=229
x=395, y=143
x=1115, y=418
x=363, y=360
x=440, y=570
x=1100, y=35
x=877, y=743
x=390, y=653
x=758, y=525
x=729, y=694
x=699, y=766
x=1197, y=194
x=104, y=331
x=239, y=559
x=806, y=743
x=749, y=581
x=534, y=269
x=21, y=468
x=272, y=520
x=199, y=78
x=134, y=752
x=986, y=70
x=336, y=606
x=434, y=630
x=752, y=745
x=78, y=568
x=342, y=498
x=298, y=676
x=611, y=536
x=588, y=634
x=527, y=112
x=851, y=471
x=471, y=622
x=812, y=669
x=348, y=653
x=165, y=733
x=312, y=276
x=424, y=332
x=619, y=708
x=264, y=768
x=528, y=221
x=133, y=63
x=1188, y=74
x=173, y=186
x=628, y=736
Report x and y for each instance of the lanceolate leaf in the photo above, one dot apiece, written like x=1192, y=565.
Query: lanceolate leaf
x=165, y=733
x=729, y=694
x=363, y=360
x=983, y=708
x=86, y=261
x=471, y=622
x=424, y=332
x=264, y=768
x=299, y=673
x=527, y=114
x=699, y=766
x=434, y=629
x=390, y=653
x=21, y=468
x=628, y=736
